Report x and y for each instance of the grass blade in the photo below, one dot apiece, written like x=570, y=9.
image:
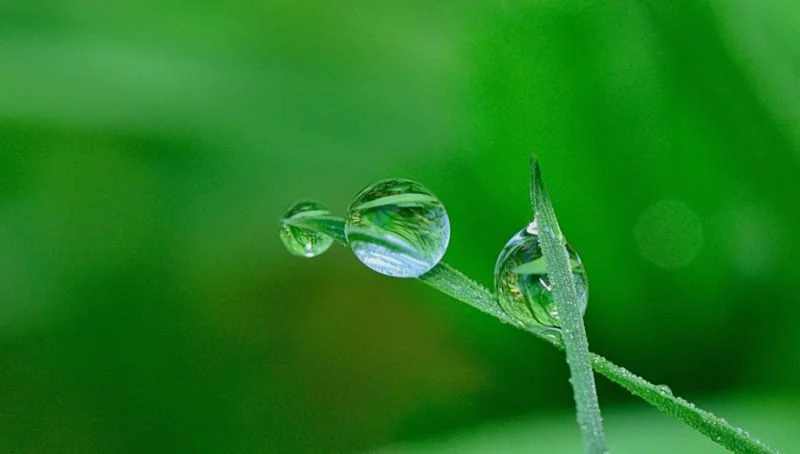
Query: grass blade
x=456, y=284
x=573, y=332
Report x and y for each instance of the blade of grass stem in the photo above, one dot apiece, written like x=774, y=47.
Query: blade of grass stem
x=458, y=285
x=573, y=332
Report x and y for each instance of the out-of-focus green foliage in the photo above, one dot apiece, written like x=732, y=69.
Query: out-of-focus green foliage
x=147, y=151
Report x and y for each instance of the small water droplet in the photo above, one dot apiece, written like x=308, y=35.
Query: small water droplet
x=303, y=242
x=523, y=288
x=664, y=389
x=398, y=228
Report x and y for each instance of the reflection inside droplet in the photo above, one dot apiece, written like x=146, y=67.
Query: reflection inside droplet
x=524, y=290
x=398, y=228
x=301, y=241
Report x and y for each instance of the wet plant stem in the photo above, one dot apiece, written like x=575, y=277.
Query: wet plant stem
x=456, y=284
x=573, y=332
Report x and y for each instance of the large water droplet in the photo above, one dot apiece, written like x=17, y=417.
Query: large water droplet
x=523, y=288
x=398, y=228
x=301, y=241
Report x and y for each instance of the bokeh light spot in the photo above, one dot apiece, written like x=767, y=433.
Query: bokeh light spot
x=669, y=234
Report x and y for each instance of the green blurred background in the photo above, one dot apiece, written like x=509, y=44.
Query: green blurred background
x=148, y=149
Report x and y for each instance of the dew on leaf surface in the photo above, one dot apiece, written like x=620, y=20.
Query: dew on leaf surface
x=523, y=288
x=301, y=241
x=398, y=228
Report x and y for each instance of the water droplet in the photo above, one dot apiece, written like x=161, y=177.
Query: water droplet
x=398, y=228
x=300, y=241
x=523, y=288
x=664, y=389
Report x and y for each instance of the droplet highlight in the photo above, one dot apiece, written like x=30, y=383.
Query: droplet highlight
x=398, y=228
x=523, y=288
x=301, y=241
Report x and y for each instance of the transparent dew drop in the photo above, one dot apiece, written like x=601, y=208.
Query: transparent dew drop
x=664, y=389
x=301, y=241
x=398, y=228
x=523, y=288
